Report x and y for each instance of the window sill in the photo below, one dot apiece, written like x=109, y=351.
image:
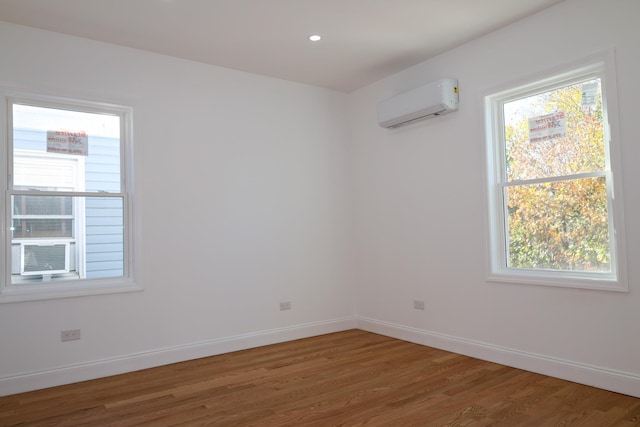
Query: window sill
x=560, y=279
x=65, y=290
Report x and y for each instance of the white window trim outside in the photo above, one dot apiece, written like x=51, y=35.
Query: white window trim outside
x=72, y=288
x=603, y=66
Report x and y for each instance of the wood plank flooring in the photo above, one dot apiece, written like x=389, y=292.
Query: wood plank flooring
x=349, y=378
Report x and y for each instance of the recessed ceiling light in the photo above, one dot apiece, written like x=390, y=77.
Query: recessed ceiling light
x=315, y=38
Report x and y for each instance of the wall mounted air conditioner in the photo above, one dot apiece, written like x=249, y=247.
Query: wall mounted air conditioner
x=433, y=99
x=44, y=258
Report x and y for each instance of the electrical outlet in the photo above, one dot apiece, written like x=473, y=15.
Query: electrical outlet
x=285, y=305
x=418, y=305
x=70, y=335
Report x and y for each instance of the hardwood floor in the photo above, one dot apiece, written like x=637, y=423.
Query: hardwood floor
x=348, y=378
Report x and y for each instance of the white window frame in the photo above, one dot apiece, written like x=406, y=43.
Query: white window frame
x=600, y=65
x=76, y=287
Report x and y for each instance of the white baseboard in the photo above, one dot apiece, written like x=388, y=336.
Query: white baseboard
x=620, y=382
x=102, y=368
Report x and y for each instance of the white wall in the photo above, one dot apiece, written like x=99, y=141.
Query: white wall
x=420, y=221
x=241, y=198
x=249, y=189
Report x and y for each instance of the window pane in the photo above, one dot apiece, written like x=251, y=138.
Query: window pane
x=93, y=238
x=555, y=133
x=559, y=226
x=51, y=146
x=104, y=237
x=42, y=205
x=41, y=228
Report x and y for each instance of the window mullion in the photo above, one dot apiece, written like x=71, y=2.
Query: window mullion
x=65, y=193
x=521, y=182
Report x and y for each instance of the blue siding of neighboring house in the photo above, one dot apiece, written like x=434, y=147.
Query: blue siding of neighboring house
x=104, y=215
x=104, y=238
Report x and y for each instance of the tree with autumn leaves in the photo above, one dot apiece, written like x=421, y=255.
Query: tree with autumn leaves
x=557, y=197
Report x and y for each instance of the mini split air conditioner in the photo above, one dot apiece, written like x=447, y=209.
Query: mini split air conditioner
x=433, y=99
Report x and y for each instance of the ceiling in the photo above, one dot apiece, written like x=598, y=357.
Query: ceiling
x=363, y=40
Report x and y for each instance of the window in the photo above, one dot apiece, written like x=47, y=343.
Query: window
x=555, y=215
x=68, y=202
